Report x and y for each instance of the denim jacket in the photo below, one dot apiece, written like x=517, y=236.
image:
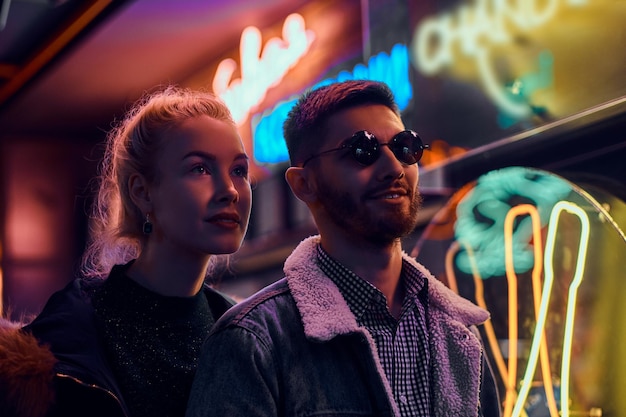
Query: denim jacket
x=295, y=349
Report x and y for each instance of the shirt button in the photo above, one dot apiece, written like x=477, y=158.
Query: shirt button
x=403, y=399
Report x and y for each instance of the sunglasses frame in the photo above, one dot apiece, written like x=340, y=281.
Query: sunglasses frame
x=356, y=138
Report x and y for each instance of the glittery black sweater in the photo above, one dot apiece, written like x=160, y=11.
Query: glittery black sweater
x=123, y=350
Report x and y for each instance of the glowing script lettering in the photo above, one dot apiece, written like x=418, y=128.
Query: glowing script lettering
x=477, y=27
x=260, y=70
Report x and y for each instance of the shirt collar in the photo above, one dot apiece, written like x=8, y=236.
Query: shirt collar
x=358, y=292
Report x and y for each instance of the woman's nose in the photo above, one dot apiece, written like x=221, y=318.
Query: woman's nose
x=226, y=190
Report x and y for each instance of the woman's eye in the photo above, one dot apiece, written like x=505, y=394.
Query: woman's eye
x=241, y=171
x=199, y=169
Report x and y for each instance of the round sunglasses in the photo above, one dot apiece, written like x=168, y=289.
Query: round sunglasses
x=364, y=147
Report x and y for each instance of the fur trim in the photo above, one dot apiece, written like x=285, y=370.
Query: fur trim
x=325, y=313
x=26, y=373
x=448, y=301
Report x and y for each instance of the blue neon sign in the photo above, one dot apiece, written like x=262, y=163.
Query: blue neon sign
x=393, y=69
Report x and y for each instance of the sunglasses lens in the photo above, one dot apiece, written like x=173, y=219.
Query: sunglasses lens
x=407, y=146
x=365, y=148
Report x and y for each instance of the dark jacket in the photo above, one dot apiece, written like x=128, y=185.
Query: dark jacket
x=295, y=349
x=84, y=382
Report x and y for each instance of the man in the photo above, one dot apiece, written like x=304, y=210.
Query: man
x=356, y=327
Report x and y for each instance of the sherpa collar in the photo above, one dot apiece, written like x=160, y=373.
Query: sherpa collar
x=325, y=313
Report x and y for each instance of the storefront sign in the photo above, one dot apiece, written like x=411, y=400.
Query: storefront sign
x=473, y=30
x=262, y=67
x=393, y=69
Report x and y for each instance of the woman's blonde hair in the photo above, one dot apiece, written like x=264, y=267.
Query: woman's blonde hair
x=115, y=229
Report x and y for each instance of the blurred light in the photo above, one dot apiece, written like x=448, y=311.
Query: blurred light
x=478, y=28
x=29, y=226
x=4, y=13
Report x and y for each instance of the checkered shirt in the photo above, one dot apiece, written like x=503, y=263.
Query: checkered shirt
x=402, y=344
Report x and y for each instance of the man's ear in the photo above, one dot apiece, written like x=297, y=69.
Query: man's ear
x=301, y=184
x=140, y=192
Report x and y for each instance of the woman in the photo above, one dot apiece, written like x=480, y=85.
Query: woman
x=174, y=191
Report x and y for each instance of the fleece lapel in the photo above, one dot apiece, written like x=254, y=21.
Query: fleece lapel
x=447, y=301
x=325, y=313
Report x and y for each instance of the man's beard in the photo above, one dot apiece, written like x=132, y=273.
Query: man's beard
x=357, y=219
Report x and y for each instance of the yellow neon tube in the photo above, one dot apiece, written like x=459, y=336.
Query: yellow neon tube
x=572, y=298
x=545, y=297
x=536, y=284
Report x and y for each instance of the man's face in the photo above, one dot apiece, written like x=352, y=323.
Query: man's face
x=379, y=202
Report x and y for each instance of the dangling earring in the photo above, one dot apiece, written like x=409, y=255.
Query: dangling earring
x=147, y=225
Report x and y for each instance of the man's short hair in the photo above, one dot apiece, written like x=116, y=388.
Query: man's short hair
x=305, y=127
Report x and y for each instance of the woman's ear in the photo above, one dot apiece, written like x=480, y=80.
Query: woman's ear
x=140, y=192
x=300, y=182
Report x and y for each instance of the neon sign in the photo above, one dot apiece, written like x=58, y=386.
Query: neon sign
x=393, y=69
x=491, y=199
x=476, y=29
x=543, y=308
x=260, y=70
x=560, y=313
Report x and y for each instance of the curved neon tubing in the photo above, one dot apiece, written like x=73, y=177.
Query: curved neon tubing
x=571, y=300
x=452, y=250
x=480, y=300
x=536, y=284
x=491, y=334
x=545, y=297
x=513, y=319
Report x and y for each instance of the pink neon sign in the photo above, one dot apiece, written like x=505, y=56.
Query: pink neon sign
x=261, y=67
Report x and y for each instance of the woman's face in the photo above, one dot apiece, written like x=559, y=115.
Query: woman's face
x=201, y=200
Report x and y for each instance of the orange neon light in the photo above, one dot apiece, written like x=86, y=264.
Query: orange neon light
x=525, y=209
x=449, y=265
x=514, y=401
x=543, y=308
x=480, y=300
